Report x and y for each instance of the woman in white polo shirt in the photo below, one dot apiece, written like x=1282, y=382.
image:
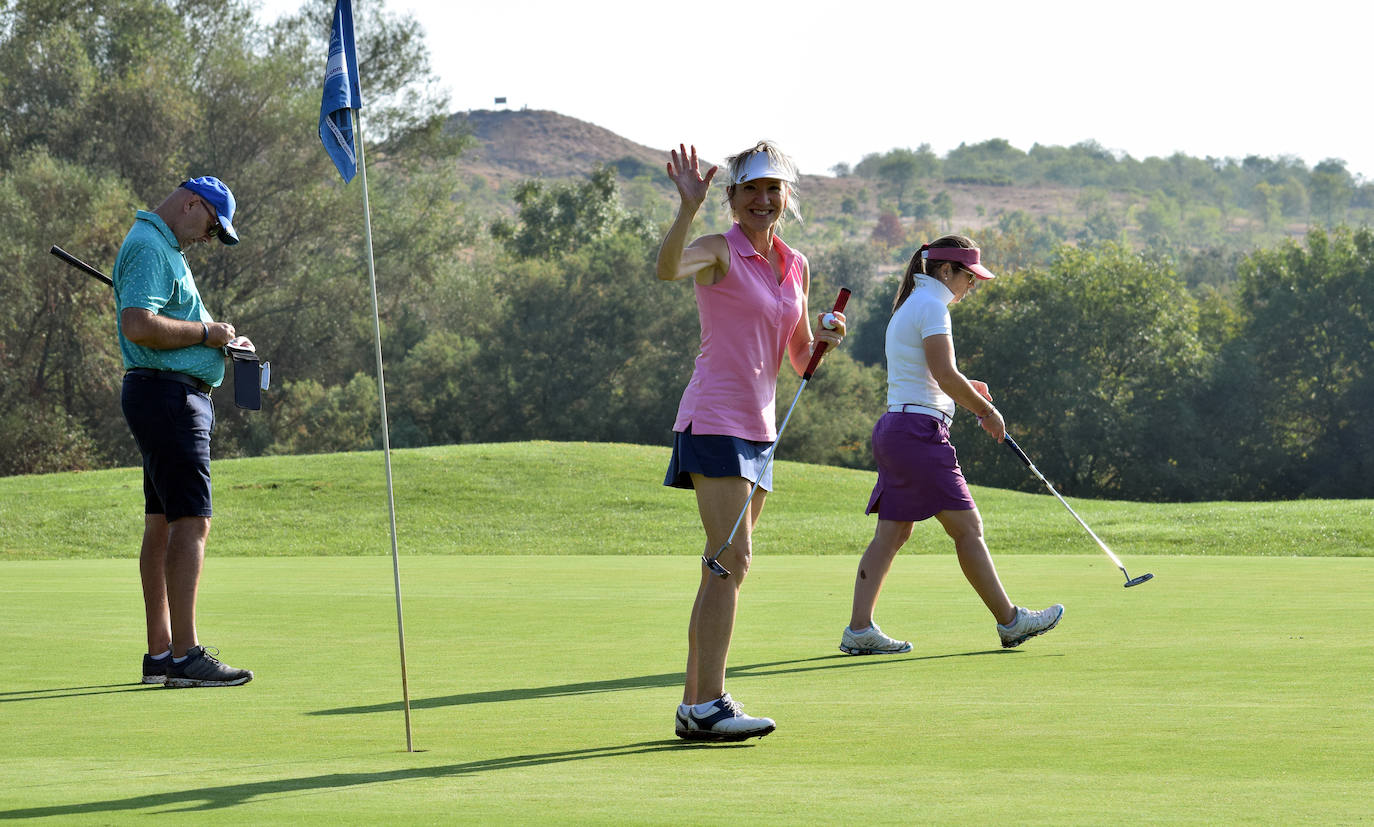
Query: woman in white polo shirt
x=918, y=472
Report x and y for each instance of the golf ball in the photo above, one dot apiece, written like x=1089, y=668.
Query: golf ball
x=828, y=321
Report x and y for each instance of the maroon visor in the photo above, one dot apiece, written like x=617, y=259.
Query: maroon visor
x=966, y=256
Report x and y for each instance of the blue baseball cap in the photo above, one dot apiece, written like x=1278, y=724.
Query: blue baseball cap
x=218, y=196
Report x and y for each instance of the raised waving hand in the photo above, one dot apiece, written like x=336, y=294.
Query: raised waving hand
x=685, y=170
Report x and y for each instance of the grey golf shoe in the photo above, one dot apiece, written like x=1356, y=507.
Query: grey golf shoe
x=155, y=669
x=871, y=641
x=1028, y=624
x=724, y=722
x=203, y=669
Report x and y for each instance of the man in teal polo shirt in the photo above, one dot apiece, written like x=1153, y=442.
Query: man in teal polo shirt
x=171, y=347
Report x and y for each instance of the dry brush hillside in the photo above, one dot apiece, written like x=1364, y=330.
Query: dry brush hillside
x=513, y=145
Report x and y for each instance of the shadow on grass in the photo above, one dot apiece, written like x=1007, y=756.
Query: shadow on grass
x=73, y=691
x=233, y=795
x=666, y=679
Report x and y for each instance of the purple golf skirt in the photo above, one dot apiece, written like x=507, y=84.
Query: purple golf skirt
x=918, y=471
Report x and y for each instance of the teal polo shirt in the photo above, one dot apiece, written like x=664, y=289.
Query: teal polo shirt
x=150, y=272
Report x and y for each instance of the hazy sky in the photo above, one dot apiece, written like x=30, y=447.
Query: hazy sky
x=834, y=81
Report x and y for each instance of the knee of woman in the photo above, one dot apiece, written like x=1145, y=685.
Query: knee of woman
x=735, y=556
x=735, y=562
x=962, y=531
x=741, y=554
x=891, y=534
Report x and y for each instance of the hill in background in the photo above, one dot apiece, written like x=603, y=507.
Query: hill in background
x=535, y=143
x=1070, y=193
x=513, y=145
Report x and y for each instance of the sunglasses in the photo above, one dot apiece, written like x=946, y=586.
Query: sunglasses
x=214, y=219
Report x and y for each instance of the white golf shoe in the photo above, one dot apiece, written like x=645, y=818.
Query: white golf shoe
x=871, y=641
x=1028, y=624
x=725, y=721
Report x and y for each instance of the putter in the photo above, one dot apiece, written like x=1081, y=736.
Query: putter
x=713, y=562
x=1130, y=581
x=79, y=264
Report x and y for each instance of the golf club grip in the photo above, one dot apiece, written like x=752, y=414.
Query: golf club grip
x=840, y=301
x=1016, y=449
x=79, y=264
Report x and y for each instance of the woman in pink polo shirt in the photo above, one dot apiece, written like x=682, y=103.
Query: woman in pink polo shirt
x=751, y=291
x=918, y=473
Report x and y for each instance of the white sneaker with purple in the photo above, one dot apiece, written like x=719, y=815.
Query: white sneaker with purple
x=1028, y=624
x=871, y=641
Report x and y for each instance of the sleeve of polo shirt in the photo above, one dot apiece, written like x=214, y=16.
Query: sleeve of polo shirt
x=934, y=320
x=144, y=281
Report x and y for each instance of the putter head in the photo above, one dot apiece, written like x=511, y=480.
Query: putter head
x=1136, y=581
x=714, y=565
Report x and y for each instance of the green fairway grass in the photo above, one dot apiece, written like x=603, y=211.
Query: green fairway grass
x=546, y=591
x=1227, y=690
x=581, y=498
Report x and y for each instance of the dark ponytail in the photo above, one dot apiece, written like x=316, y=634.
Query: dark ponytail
x=918, y=265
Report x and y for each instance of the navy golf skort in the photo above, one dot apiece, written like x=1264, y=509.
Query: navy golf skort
x=918, y=471
x=171, y=423
x=716, y=455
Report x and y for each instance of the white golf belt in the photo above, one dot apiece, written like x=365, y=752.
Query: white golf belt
x=934, y=413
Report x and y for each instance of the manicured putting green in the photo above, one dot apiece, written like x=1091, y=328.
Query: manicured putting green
x=1226, y=690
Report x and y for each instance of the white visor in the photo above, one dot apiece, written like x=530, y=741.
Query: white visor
x=759, y=165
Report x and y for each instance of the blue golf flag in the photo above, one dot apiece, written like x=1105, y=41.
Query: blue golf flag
x=340, y=93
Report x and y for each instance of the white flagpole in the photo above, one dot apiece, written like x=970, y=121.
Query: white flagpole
x=386, y=435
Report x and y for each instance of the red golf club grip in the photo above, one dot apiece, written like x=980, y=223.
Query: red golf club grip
x=840, y=301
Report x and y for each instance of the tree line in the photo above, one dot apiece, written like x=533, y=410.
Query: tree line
x=1222, y=207
x=1123, y=375
x=1269, y=189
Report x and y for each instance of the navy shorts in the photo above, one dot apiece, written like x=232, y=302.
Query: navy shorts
x=716, y=455
x=918, y=471
x=171, y=423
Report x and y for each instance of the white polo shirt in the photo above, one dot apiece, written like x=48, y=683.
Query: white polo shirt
x=924, y=313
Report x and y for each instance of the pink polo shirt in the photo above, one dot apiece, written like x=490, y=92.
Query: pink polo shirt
x=746, y=321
